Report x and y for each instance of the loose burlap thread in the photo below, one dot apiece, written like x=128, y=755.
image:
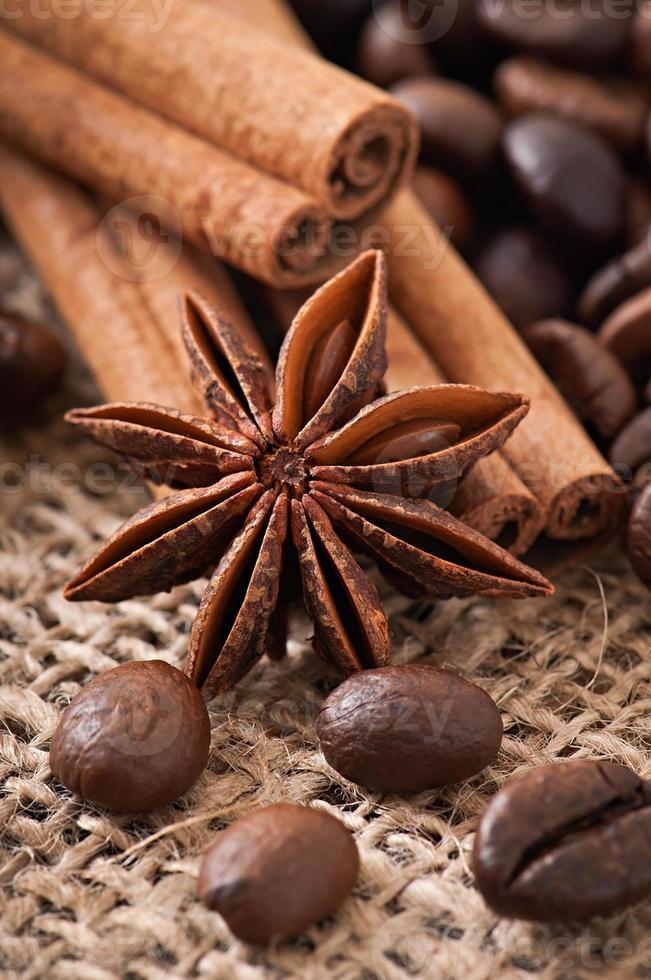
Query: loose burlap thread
x=89, y=895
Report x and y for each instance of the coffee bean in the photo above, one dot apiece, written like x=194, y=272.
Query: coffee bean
x=459, y=41
x=135, y=738
x=638, y=535
x=404, y=729
x=569, y=32
x=589, y=376
x=632, y=447
x=627, y=334
x=520, y=272
x=614, y=110
x=31, y=362
x=386, y=53
x=622, y=278
x=638, y=211
x=640, y=40
x=571, y=179
x=566, y=842
x=277, y=871
x=446, y=202
x=461, y=129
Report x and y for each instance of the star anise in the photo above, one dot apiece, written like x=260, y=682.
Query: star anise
x=262, y=489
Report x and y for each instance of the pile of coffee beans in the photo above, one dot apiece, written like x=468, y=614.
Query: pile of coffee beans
x=536, y=159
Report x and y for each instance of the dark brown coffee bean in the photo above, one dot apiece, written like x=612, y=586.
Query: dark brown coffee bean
x=277, y=871
x=614, y=110
x=522, y=275
x=135, y=738
x=446, y=202
x=569, y=32
x=571, y=179
x=590, y=377
x=638, y=211
x=627, y=334
x=566, y=842
x=638, y=535
x=31, y=362
x=632, y=447
x=640, y=40
x=386, y=53
x=407, y=729
x=459, y=41
x=461, y=129
x=622, y=278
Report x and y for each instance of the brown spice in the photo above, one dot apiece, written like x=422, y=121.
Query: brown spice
x=251, y=480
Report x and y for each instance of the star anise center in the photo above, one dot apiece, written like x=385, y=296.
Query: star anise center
x=284, y=468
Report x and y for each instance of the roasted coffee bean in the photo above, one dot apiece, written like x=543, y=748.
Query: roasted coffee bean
x=566, y=842
x=446, y=202
x=31, y=363
x=640, y=40
x=632, y=447
x=404, y=729
x=335, y=25
x=590, y=377
x=622, y=278
x=614, y=110
x=461, y=129
x=627, y=334
x=386, y=53
x=569, y=32
x=135, y=738
x=277, y=871
x=638, y=535
x=638, y=211
x=458, y=41
x=571, y=179
x=520, y=272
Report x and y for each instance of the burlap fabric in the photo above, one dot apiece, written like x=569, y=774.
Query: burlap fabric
x=87, y=895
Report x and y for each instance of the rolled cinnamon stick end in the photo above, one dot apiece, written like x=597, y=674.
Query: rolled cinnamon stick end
x=226, y=207
x=474, y=344
x=287, y=112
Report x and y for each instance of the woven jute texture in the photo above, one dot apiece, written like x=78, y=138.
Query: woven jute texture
x=88, y=895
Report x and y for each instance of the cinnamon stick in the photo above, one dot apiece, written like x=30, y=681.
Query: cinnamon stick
x=128, y=331
x=473, y=343
x=288, y=113
x=262, y=225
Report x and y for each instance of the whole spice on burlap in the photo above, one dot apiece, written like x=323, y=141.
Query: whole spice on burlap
x=135, y=738
x=277, y=871
x=566, y=842
x=330, y=465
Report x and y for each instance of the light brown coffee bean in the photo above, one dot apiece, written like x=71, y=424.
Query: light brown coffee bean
x=571, y=179
x=277, y=871
x=620, y=279
x=589, y=376
x=460, y=128
x=613, y=109
x=404, y=729
x=520, y=272
x=446, y=202
x=386, y=53
x=638, y=535
x=135, y=738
